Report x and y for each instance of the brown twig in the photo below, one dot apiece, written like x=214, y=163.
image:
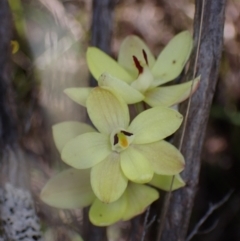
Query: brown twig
x=145, y=224
x=212, y=208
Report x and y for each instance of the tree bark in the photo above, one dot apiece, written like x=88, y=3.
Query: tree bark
x=176, y=223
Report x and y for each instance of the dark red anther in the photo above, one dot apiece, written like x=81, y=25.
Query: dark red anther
x=145, y=56
x=115, y=140
x=126, y=133
x=137, y=64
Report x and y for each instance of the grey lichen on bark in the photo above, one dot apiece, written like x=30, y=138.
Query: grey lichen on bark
x=18, y=215
x=176, y=223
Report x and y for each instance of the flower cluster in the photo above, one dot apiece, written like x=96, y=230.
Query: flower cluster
x=113, y=162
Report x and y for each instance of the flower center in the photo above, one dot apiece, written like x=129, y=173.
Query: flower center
x=138, y=64
x=120, y=140
x=145, y=77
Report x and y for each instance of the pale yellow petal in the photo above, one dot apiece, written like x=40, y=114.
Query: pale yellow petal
x=86, y=150
x=69, y=189
x=171, y=95
x=135, y=166
x=107, y=179
x=164, y=182
x=134, y=46
x=79, y=95
x=128, y=93
x=173, y=58
x=103, y=214
x=65, y=131
x=155, y=124
x=139, y=197
x=163, y=156
x=107, y=111
x=99, y=63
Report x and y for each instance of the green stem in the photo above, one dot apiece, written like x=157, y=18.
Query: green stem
x=139, y=107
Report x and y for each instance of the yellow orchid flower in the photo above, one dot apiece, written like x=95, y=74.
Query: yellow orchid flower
x=72, y=189
x=120, y=151
x=137, y=75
